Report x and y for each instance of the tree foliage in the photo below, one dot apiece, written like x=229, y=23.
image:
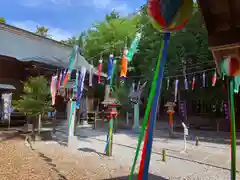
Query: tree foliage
x=42, y=31
x=35, y=100
x=109, y=36
x=2, y=20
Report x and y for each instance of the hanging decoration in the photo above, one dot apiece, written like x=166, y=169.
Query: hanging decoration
x=168, y=81
x=204, y=80
x=99, y=70
x=214, y=78
x=168, y=16
x=124, y=64
x=185, y=83
x=176, y=90
x=72, y=61
x=226, y=110
x=53, y=88
x=75, y=86
x=80, y=86
x=113, y=72
x=133, y=48
x=193, y=82
x=91, y=76
x=110, y=66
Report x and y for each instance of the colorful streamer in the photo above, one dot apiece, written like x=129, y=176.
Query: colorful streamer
x=176, y=90
x=80, y=86
x=155, y=108
x=75, y=87
x=59, y=80
x=124, y=65
x=99, y=70
x=72, y=60
x=148, y=108
x=193, y=82
x=133, y=48
x=233, y=129
x=113, y=72
x=214, y=78
x=110, y=66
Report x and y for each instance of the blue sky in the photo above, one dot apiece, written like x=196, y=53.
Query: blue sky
x=64, y=18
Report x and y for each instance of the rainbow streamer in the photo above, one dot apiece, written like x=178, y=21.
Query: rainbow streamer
x=233, y=129
x=160, y=63
x=154, y=108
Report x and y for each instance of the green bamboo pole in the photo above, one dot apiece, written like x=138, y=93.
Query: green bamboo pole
x=233, y=129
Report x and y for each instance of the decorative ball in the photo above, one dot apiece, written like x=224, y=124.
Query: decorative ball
x=170, y=15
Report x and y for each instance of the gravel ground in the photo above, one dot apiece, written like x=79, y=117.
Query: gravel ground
x=18, y=162
x=51, y=161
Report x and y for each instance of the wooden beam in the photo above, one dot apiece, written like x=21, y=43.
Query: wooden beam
x=225, y=37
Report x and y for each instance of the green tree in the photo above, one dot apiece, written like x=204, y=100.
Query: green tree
x=2, y=20
x=80, y=41
x=35, y=101
x=42, y=31
x=109, y=36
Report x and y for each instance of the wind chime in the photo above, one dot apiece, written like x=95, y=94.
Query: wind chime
x=166, y=16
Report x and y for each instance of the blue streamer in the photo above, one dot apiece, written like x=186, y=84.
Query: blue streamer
x=110, y=67
x=154, y=108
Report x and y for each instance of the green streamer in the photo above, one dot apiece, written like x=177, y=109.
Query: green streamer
x=133, y=48
x=233, y=130
x=147, y=111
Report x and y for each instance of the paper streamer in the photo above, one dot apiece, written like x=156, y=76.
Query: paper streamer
x=113, y=72
x=133, y=48
x=75, y=89
x=214, y=78
x=204, y=80
x=91, y=76
x=110, y=66
x=193, y=82
x=176, y=90
x=80, y=86
x=124, y=65
x=168, y=81
x=99, y=70
x=53, y=88
x=72, y=61
x=185, y=83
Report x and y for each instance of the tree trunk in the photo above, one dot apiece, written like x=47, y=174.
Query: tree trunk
x=34, y=122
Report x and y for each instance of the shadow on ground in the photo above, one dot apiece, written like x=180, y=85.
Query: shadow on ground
x=90, y=150
x=53, y=166
x=150, y=177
